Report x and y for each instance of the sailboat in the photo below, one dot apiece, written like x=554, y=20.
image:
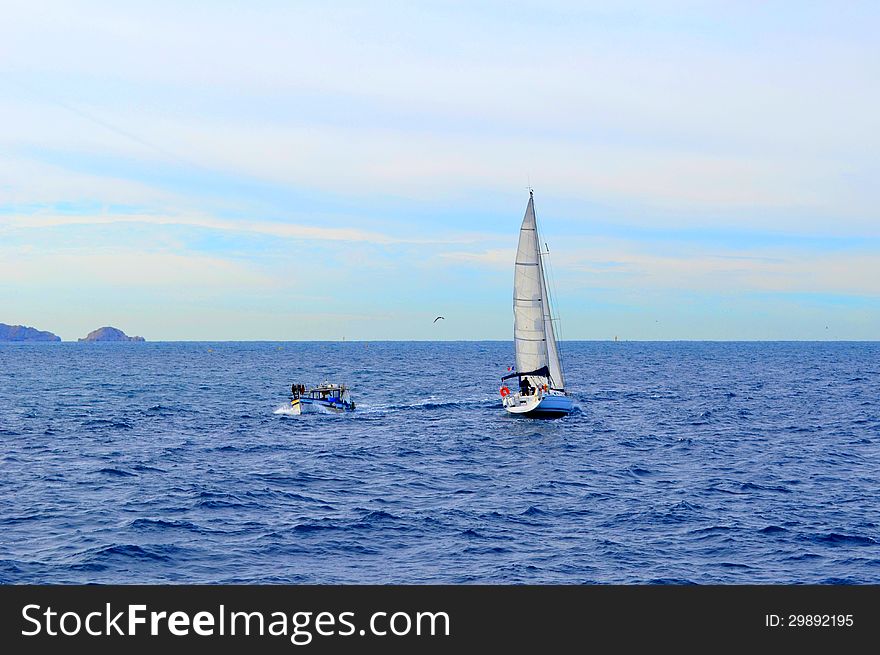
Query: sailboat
x=540, y=392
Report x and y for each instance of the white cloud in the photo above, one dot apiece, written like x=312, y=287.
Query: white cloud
x=637, y=266
x=496, y=258
x=783, y=271
x=282, y=230
x=125, y=269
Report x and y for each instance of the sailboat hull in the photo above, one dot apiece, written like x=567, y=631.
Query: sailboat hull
x=546, y=406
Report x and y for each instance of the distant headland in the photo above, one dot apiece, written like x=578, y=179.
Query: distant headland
x=24, y=333
x=108, y=333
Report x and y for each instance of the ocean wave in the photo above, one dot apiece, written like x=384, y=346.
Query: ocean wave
x=148, y=469
x=100, y=557
x=752, y=486
x=114, y=424
x=161, y=525
x=12, y=520
x=120, y=473
x=316, y=527
x=772, y=529
x=836, y=538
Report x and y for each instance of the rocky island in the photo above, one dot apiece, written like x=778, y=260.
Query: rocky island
x=24, y=333
x=109, y=334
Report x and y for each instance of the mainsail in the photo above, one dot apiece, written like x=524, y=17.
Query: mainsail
x=533, y=333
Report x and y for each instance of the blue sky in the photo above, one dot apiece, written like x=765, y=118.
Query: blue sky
x=326, y=170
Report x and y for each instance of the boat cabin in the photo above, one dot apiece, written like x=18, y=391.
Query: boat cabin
x=327, y=392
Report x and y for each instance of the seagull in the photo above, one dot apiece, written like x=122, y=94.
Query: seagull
x=438, y=318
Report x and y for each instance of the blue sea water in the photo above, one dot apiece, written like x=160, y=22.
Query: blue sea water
x=686, y=462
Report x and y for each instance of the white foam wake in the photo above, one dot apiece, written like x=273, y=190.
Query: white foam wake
x=286, y=410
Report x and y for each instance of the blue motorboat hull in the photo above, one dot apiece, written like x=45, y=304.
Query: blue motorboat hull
x=312, y=403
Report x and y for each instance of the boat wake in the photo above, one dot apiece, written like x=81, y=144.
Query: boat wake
x=430, y=403
x=287, y=410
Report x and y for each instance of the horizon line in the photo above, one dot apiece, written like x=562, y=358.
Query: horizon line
x=684, y=340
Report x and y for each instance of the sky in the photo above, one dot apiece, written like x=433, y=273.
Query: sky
x=287, y=171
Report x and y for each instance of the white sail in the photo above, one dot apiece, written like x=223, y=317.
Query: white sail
x=528, y=308
x=533, y=333
x=553, y=362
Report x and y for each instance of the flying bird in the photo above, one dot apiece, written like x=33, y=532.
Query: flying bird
x=438, y=318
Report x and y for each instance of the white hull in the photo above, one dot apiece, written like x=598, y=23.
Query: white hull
x=547, y=405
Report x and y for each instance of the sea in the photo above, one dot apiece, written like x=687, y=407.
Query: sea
x=684, y=462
